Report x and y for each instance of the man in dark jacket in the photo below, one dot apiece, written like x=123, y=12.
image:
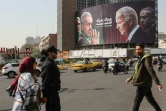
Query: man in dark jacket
x=142, y=78
x=51, y=81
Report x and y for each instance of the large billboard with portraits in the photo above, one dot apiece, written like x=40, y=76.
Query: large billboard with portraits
x=116, y=23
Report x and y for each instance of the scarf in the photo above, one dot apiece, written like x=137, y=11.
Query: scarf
x=26, y=65
x=136, y=67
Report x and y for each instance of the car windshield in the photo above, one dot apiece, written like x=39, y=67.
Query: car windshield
x=79, y=62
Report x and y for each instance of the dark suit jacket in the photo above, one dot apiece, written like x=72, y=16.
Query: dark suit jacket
x=145, y=74
x=82, y=40
x=152, y=32
x=140, y=36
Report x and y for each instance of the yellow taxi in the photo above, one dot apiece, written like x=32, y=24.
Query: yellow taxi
x=39, y=67
x=83, y=66
x=59, y=67
x=97, y=63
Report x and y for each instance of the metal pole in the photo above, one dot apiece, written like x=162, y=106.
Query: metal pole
x=15, y=52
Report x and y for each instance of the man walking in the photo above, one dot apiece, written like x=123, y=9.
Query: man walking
x=51, y=81
x=142, y=78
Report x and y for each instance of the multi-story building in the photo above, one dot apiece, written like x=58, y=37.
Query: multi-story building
x=81, y=4
x=162, y=35
x=48, y=40
x=37, y=39
x=34, y=41
x=29, y=40
x=65, y=23
x=66, y=20
x=162, y=40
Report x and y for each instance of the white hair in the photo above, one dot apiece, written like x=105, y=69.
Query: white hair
x=84, y=15
x=129, y=12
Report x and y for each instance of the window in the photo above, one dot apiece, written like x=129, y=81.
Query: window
x=15, y=65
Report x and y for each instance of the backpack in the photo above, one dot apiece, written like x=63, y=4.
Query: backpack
x=13, y=87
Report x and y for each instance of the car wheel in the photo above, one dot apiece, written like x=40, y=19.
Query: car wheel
x=37, y=72
x=126, y=71
x=85, y=69
x=75, y=71
x=114, y=71
x=127, y=68
x=11, y=74
x=94, y=68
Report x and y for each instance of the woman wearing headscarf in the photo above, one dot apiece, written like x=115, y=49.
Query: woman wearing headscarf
x=27, y=87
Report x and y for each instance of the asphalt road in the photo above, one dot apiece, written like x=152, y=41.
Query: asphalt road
x=95, y=91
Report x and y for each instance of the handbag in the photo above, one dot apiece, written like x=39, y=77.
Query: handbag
x=13, y=87
x=11, y=91
x=31, y=106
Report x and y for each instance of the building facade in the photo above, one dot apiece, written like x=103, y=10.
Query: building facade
x=161, y=40
x=65, y=23
x=29, y=40
x=81, y=4
x=37, y=39
x=51, y=39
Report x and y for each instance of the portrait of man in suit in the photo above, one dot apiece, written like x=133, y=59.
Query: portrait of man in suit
x=88, y=36
x=127, y=24
x=147, y=21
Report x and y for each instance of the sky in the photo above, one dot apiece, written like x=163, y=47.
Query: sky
x=22, y=18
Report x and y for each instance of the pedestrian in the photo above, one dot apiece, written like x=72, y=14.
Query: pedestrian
x=44, y=55
x=28, y=91
x=142, y=78
x=51, y=82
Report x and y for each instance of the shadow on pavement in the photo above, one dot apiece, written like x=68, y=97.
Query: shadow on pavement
x=62, y=72
x=124, y=74
x=163, y=71
x=73, y=90
x=88, y=71
x=6, y=110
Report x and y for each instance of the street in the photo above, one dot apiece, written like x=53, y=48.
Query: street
x=95, y=91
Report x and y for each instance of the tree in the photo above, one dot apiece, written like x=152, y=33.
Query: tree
x=22, y=49
x=36, y=54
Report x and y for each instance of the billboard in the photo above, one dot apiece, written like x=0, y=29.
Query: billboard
x=98, y=53
x=116, y=23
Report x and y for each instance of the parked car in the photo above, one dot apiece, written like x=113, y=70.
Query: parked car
x=83, y=66
x=10, y=69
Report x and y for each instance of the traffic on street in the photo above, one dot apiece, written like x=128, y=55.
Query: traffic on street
x=94, y=91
